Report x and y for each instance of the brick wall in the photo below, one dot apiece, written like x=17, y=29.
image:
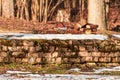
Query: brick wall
x=60, y=51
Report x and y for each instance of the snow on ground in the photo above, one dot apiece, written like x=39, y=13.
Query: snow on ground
x=57, y=77
x=52, y=36
x=18, y=75
x=116, y=35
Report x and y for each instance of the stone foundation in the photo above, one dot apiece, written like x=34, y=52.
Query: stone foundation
x=60, y=51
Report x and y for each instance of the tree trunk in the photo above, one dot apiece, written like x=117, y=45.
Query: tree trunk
x=0, y=7
x=96, y=13
x=45, y=11
x=107, y=7
x=7, y=8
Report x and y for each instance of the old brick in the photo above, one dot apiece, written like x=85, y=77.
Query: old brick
x=47, y=55
x=87, y=59
x=116, y=59
x=32, y=60
x=55, y=54
x=24, y=60
x=117, y=54
x=19, y=48
x=4, y=48
x=111, y=54
x=82, y=48
x=1, y=59
x=58, y=60
x=38, y=48
x=97, y=54
x=3, y=54
x=32, y=49
x=104, y=59
x=95, y=59
x=10, y=48
x=84, y=54
x=18, y=60
x=28, y=43
x=12, y=59
x=36, y=55
x=65, y=60
x=18, y=54
x=38, y=60
x=26, y=48
x=74, y=60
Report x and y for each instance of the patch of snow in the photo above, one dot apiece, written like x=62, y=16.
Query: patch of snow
x=52, y=36
x=116, y=35
x=75, y=69
x=59, y=77
x=17, y=72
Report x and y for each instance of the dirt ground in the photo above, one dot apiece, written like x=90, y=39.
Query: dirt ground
x=22, y=26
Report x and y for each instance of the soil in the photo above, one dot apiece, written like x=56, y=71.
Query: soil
x=22, y=26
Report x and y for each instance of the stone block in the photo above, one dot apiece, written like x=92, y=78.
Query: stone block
x=95, y=59
x=96, y=54
x=18, y=60
x=74, y=60
x=38, y=60
x=65, y=60
x=84, y=54
x=25, y=60
x=28, y=43
x=18, y=54
x=87, y=59
x=4, y=54
x=10, y=48
x=32, y=49
x=105, y=59
x=26, y=48
x=58, y=60
x=1, y=59
x=36, y=55
x=12, y=59
x=38, y=49
x=32, y=60
x=55, y=54
x=116, y=59
x=4, y=48
x=51, y=48
x=111, y=54
x=82, y=48
x=117, y=54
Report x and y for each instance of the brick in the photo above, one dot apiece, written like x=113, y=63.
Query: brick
x=84, y=54
x=36, y=55
x=74, y=60
x=31, y=60
x=105, y=59
x=25, y=60
x=38, y=60
x=58, y=60
x=4, y=48
x=18, y=54
x=4, y=54
x=82, y=48
x=55, y=54
x=18, y=60
x=96, y=54
x=1, y=59
x=32, y=49
x=12, y=59
x=95, y=59
x=87, y=59
x=116, y=59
